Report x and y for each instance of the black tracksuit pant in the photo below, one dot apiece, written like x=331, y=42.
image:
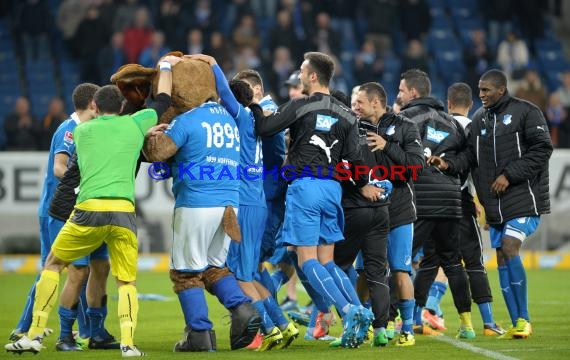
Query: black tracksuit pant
x=366, y=229
x=440, y=240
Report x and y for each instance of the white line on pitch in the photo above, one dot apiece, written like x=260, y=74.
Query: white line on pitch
x=466, y=346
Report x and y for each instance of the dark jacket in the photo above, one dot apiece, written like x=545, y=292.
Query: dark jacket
x=438, y=194
x=403, y=148
x=65, y=195
x=510, y=138
x=323, y=131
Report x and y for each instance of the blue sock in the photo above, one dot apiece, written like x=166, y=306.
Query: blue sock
x=517, y=275
x=343, y=283
x=83, y=323
x=278, y=278
x=321, y=280
x=417, y=314
x=312, y=321
x=195, y=309
x=407, y=314
x=436, y=292
x=486, y=313
x=508, y=295
x=266, y=322
x=97, y=321
x=265, y=280
x=26, y=317
x=320, y=302
x=66, y=319
x=229, y=293
x=352, y=275
x=275, y=312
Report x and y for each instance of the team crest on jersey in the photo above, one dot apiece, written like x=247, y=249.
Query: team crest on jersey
x=68, y=137
x=507, y=119
x=436, y=136
x=324, y=122
x=483, y=132
x=391, y=130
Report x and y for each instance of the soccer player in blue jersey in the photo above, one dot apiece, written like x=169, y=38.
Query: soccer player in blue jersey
x=244, y=257
x=61, y=149
x=323, y=131
x=205, y=145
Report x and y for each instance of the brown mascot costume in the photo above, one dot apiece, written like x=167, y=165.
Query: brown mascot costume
x=193, y=84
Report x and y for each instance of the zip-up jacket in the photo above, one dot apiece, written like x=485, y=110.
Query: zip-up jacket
x=323, y=131
x=511, y=138
x=438, y=194
x=403, y=148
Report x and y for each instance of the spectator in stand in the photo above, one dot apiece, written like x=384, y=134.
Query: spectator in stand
x=279, y=72
x=531, y=17
x=556, y=114
x=201, y=16
x=169, y=21
x=532, y=89
x=138, y=35
x=32, y=24
x=477, y=57
x=108, y=9
x=152, y=53
x=368, y=65
x=325, y=39
x=111, y=58
x=21, y=127
x=247, y=58
x=499, y=15
x=91, y=36
x=513, y=56
x=125, y=14
x=283, y=34
x=54, y=117
x=381, y=19
x=69, y=15
x=220, y=50
x=194, y=42
x=564, y=90
x=415, y=57
x=415, y=18
x=246, y=34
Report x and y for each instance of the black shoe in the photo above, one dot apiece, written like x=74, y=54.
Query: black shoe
x=245, y=324
x=105, y=342
x=204, y=340
x=68, y=343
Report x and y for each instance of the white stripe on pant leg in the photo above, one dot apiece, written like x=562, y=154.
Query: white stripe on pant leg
x=474, y=349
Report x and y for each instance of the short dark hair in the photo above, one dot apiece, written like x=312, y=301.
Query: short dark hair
x=417, y=79
x=460, y=94
x=322, y=65
x=496, y=77
x=251, y=76
x=109, y=99
x=83, y=95
x=242, y=91
x=340, y=96
x=374, y=89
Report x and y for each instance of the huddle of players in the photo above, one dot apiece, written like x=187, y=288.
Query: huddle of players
x=422, y=213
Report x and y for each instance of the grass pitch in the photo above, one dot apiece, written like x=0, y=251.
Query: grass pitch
x=161, y=324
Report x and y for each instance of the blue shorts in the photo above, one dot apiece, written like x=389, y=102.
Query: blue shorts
x=518, y=228
x=313, y=213
x=101, y=253
x=275, y=214
x=243, y=257
x=400, y=240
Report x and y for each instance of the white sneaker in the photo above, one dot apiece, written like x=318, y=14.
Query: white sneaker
x=25, y=344
x=131, y=351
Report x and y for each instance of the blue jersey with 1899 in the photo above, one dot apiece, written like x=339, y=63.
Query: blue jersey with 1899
x=61, y=142
x=205, y=169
